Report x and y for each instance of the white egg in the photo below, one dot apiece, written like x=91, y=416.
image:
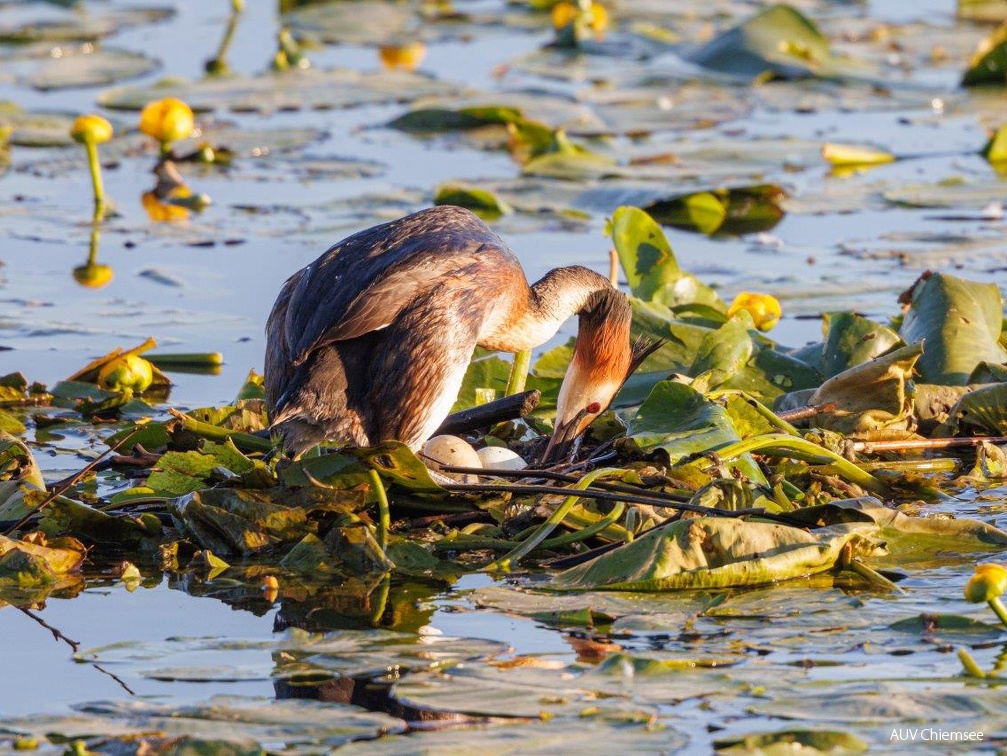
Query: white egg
x=451, y=451
x=501, y=458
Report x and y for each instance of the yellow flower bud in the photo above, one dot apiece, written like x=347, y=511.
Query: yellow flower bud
x=167, y=120
x=565, y=13
x=91, y=129
x=764, y=308
x=406, y=57
x=988, y=582
x=126, y=372
x=93, y=275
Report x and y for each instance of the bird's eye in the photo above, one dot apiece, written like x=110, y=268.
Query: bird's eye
x=594, y=408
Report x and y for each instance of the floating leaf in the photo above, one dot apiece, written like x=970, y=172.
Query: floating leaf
x=711, y=552
x=70, y=26
x=792, y=739
x=38, y=561
x=779, y=41
x=433, y=120
x=851, y=154
x=63, y=515
x=293, y=90
x=482, y=202
x=980, y=412
x=98, y=68
x=233, y=725
x=741, y=210
x=988, y=64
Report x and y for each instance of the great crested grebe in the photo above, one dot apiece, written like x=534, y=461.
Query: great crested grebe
x=371, y=341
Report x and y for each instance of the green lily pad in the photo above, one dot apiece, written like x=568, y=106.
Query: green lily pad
x=710, y=552
x=482, y=202
x=651, y=269
x=101, y=67
x=680, y=423
x=69, y=26
x=960, y=322
x=852, y=339
x=224, y=724
x=988, y=64
x=779, y=40
x=293, y=90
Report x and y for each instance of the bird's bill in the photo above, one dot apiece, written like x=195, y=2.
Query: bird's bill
x=584, y=395
x=565, y=434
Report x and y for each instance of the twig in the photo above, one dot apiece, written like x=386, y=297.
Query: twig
x=803, y=413
x=56, y=634
x=75, y=645
x=485, y=415
x=565, y=478
x=590, y=493
x=58, y=489
x=867, y=447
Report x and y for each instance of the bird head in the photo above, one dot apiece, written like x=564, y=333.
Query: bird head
x=603, y=359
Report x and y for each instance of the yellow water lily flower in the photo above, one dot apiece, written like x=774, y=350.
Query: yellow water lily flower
x=764, y=308
x=91, y=130
x=593, y=16
x=405, y=57
x=128, y=372
x=988, y=583
x=167, y=120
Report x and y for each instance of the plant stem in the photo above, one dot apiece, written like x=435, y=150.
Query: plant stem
x=96, y=183
x=998, y=609
x=971, y=668
x=518, y=373
x=384, y=516
x=511, y=558
x=244, y=441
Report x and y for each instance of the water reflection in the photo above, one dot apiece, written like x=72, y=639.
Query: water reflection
x=92, y=273
x=171, y=199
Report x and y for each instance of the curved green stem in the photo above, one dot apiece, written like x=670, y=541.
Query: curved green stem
x=998, y=609
x=780, y=445
x=384, y=515
x=508, y=560
x=764, y=412
x=971, y=668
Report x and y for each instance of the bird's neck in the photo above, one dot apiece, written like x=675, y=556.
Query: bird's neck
x=535, y=318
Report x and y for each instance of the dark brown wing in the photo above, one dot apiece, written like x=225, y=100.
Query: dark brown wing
x=365, y=281
x=279, y=369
